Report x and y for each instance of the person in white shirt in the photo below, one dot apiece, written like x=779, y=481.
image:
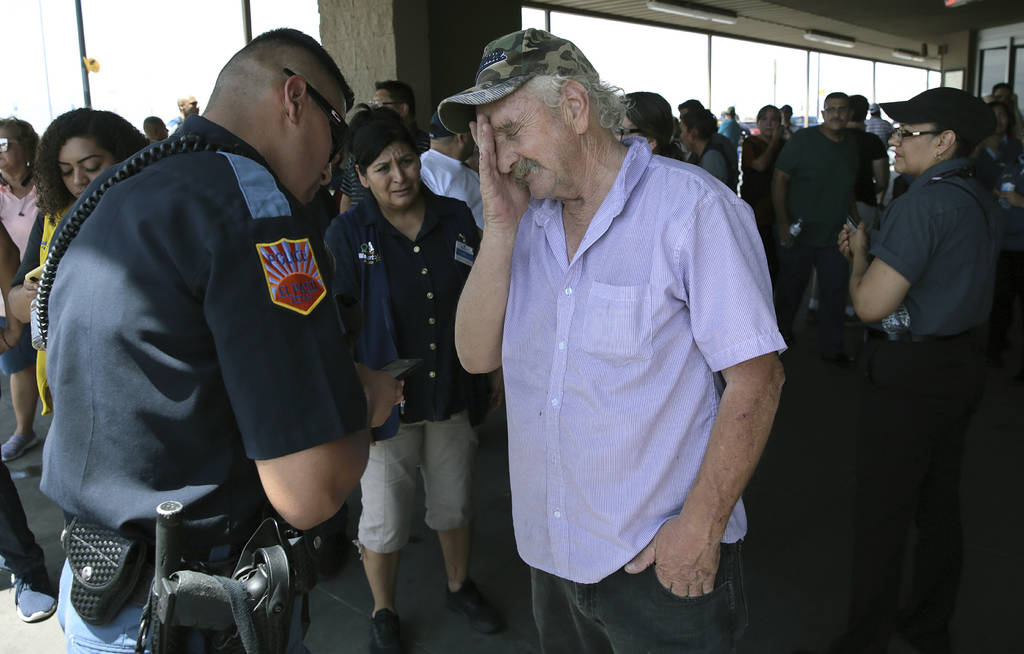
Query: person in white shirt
x=443, y=171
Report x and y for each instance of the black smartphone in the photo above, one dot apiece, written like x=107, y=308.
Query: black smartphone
x=402, y=368
x=851, y=222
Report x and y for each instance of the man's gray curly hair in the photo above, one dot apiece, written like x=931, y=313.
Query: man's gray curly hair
x=607, y=99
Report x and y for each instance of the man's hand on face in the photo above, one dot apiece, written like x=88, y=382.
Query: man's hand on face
x=505, y=201
x=684, y=562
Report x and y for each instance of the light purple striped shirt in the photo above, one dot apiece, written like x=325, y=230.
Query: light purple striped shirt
x=610, y=360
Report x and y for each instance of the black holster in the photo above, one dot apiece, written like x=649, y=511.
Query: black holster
x=249, y=611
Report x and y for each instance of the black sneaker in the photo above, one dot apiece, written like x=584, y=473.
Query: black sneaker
x=385, y=633
x=470, y=603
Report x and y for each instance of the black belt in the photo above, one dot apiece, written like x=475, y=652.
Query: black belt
x=907, y=337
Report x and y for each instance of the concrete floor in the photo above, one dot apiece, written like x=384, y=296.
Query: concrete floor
x=796, y=555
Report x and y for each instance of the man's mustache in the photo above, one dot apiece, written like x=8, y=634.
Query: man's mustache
x=523, y=168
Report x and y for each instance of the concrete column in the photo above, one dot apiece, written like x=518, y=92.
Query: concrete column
x=360, y=35
x=432, y=45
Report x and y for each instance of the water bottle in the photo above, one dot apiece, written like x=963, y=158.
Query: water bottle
x=1006, y=184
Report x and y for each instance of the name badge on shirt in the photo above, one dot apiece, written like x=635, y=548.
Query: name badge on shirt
x=464, y=253
x=293, y=277
x=367, y=254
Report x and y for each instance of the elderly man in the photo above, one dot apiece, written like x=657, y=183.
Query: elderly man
x=613, y=286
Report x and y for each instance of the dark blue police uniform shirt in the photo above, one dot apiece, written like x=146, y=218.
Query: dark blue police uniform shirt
x=192, y=331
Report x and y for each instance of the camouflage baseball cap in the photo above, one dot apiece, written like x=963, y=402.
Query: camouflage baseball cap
x=508, y=63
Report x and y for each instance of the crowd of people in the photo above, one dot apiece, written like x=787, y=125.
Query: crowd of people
x=306, y=304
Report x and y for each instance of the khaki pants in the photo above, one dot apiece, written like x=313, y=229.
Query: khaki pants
x=444, y=451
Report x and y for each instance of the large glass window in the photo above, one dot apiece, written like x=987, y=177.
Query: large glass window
x=894, y=83
x=533, y=18
x=744, y=74
x=639, y=57
x=303, y=15
x=749, y=75
x=835, y=73
x=993, y=68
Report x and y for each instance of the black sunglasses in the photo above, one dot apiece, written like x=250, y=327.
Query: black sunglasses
x=334, y=119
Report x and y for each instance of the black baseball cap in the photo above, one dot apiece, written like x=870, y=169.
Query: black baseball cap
x=949, y=108
x=437, y=128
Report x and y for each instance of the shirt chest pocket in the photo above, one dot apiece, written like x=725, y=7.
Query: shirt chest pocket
x=618, y=322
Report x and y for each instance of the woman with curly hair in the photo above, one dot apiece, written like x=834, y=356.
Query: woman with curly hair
x=75, y=149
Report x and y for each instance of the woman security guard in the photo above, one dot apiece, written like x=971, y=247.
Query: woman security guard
x=923, y=291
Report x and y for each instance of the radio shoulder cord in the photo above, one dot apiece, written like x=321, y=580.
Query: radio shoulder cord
x=73, y=222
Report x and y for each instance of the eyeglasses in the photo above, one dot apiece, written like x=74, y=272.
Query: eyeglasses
x=377, y=104
x=623, y=132
x=829, y=110
x=899, y=133
x=334, y=119
x=5, y=144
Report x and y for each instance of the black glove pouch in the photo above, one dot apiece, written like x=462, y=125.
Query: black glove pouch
x=107, y=569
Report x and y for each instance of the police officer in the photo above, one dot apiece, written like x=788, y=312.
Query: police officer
x=924, y=288
x=194, y=352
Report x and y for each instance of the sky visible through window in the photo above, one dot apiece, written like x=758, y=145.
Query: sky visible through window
x=744, y=74
x=148, y=59
x=150, y=54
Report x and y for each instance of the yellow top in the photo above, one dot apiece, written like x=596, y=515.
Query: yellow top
x=49, y=226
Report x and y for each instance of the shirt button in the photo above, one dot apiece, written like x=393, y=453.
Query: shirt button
x=568, y=291
x=416, y=248
x=430, y=296
x=561, y=346
x=433, y=346
x=423, y=271
x=433, y=374
x=558, y=514
x=554, y=401
x=430, y=321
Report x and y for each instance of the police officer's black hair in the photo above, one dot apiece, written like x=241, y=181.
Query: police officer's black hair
x=400, y=92
x=703, y=121
x=286, y=36
x=652, y=115
x=858, y=108
x=373, y=129
x=109, y=130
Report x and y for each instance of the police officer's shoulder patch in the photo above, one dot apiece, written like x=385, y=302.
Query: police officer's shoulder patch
x=293, y=277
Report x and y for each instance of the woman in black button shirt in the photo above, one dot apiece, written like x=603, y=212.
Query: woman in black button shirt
x=923, y=295
x=405, y=254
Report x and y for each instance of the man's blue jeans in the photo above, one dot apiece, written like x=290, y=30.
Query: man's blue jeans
x=19, y=551
x=122, y=632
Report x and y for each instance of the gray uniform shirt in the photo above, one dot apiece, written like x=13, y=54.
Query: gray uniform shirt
x=943, y=236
